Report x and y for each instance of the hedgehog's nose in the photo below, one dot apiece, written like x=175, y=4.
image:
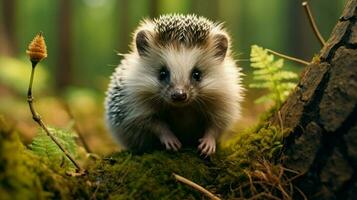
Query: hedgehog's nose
x=179, y=95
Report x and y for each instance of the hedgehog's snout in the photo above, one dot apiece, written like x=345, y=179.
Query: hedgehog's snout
x=179, y=95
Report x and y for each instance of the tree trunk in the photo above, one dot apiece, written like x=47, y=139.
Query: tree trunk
x=153, y=8
x=64, y=64
x=321, y=116
x=209, y=8
x=8, y=28
x=124, y=28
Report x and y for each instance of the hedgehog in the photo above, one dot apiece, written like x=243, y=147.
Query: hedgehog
x=178, y=87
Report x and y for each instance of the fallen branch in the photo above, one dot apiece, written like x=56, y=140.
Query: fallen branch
x=195, y=186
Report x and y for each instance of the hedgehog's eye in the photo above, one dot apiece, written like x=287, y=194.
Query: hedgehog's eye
x=164, y=74
x=196, y=75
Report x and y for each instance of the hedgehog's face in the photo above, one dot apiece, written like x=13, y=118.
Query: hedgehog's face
x=181, y=73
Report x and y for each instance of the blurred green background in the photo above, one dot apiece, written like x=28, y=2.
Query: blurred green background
x=84, y=36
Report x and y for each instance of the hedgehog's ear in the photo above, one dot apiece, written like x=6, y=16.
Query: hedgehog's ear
x=220, y=45
x=142, y=42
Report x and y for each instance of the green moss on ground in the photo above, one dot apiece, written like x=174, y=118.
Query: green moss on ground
x=147, y=176
x=125, y=175
x=22, y=174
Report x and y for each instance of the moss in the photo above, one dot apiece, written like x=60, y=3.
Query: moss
x=22, y=174
x=243, y=154
x=125, y=175
x=148, y=176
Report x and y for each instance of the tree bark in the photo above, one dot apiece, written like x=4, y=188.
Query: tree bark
x=124, y=28
x=8, y=28
x=64, y=64
x=154, y=8
x=321, y=116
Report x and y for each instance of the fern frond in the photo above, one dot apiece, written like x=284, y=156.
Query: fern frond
x=259, y=57
x=269, y=74
x=261, y=72
x=260, y=85
x=265, y=98
x=43, y=146
x=285, y=75
x=286, y=86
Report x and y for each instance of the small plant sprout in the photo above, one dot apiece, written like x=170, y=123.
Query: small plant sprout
x=37, y=51
x=311, y=19
x=268, y=74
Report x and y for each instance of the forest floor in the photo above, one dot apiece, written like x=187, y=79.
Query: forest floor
x=247, y=164
x=245, y=167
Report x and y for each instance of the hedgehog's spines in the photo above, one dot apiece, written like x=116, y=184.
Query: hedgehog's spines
x=187, y=29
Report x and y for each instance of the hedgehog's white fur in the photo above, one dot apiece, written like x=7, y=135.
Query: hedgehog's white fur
x=137, y=108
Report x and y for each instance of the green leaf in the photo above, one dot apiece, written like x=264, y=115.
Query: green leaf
x=261, y=72
x=288, y=86
x=278, y=64
x=264, y=77
x=43, y=146
x=285, y=75
x=261, y=85
x=263, y=99
x=269, y=74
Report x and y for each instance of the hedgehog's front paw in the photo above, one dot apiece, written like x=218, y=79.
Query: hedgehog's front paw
x=207, y=145
x=170, y=141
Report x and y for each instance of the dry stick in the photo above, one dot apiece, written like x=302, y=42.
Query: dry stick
x=283, y=191
x=262, y=195
x=281, y=122
x=195, y=186
x=313, y=23
x=76, y=127
x=301, y=193
x=37, y=118
x=251, y=184
x=300, y=61
x=94, y=195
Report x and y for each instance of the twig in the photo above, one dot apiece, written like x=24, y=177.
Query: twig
x=295, y=177
x=263, y=194
x=76, y=127
x=313, y=23
x=301, y=193
x=281, y=122
x=94, y=195
x=251, y=184
x=300, y=61
x=37, y=118
x=290, y=170
x=195, y=186
x=280, y=187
